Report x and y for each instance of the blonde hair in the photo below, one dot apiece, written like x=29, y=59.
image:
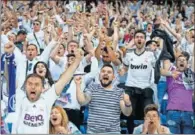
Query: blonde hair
x=64, y=122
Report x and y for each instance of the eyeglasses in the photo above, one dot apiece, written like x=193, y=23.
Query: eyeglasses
x=36, y=24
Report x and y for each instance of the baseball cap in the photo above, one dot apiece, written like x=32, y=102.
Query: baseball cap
x=22, y=32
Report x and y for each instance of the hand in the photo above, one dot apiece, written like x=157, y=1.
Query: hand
x=145, y=126
x=164, y=22
x=162, y=130
x=79, y=54
x=78, y=80
x=121, y=71
x=175, y=74
x=126, y=99
x=9, y=47
x=61, y=130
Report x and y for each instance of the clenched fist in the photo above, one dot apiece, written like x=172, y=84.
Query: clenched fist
x=126, y=99
x=9, y=47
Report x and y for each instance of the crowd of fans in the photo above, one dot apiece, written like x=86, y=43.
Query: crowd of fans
x=76, y=67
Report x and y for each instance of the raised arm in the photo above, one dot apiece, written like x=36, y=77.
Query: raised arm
x=11, y=48
x=82, y=97
x=46, y=53
x=93, y=71
x=54, y=55
x=116, y=36
x=125, y=105
x=98, y=49
x=165, y=71
x=112, y=55
x=166, y=25
x=68, y=74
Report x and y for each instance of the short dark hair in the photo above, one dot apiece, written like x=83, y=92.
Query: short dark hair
x=140, y=31
x=108, y=65
x=30, y=76
x=125, y=19
x=151, y=107
x=70, y=55
x=23, y=32
x=32, y=45
x=149, y=24
x=37, y=21
x=184, y=54
x=73, y=41
x=150, y=42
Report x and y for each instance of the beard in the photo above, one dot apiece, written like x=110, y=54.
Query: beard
x=105, y=84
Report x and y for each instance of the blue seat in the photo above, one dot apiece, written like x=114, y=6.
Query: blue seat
x=83, y=127
x=138, y=122
x=123, y=125
x=124, y=130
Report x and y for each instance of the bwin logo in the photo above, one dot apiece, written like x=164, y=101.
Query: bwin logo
x=139, y=66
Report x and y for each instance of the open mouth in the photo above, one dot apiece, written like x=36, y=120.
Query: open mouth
x=105, y=78
x=41, y=71
x=151, y=122
x=54, y=119
x=59, y=52
x=181, y=65
x=33, y=93
x=139, y=42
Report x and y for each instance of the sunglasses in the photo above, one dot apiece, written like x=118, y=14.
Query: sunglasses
x=36, y=24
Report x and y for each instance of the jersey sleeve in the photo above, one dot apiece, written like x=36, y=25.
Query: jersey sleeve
x=126, y=60
x=50, y=96
x=62, y=61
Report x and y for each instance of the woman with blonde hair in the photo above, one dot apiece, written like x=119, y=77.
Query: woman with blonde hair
x=59, y=123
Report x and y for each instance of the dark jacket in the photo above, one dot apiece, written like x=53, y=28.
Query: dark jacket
x=167, y=51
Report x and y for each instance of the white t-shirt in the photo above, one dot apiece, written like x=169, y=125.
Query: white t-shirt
x=140, y=69
x=40, y=39
x=68, y=98
x=25, y=67
x=81, y=67
x=33, y=118
x=57, y=69
x=4, y=40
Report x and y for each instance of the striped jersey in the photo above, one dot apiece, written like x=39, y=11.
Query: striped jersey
x=104, y=108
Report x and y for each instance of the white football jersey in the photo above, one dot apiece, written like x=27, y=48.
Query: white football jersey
x=140, y=68
x=33, y=117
